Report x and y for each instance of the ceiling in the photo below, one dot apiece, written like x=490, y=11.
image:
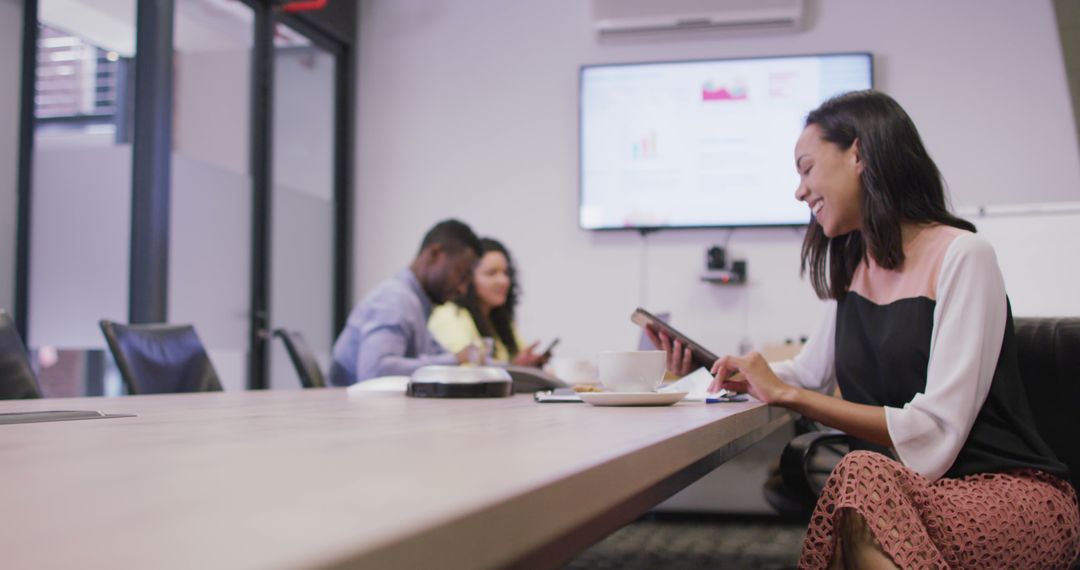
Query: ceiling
x=200, y=25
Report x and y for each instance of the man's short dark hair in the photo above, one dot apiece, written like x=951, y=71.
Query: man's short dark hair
x=454, y=236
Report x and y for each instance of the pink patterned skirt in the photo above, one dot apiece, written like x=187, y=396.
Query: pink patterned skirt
x=1017, y=519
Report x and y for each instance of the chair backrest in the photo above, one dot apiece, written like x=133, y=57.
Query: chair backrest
x=160, y=359
x=302, y=358
x=1048, y=351
x=17, y=379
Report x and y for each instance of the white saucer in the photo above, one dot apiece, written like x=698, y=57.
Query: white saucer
x=632, y=398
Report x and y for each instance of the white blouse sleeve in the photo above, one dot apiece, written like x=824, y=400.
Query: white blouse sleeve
x=814, y=368
x=969, y=328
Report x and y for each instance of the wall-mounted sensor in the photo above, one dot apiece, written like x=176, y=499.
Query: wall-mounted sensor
x=734, y=276
x=738, y=268
x=715, y=258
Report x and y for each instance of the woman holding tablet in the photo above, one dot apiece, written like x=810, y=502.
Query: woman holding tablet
x=947, y=469
x=487, y=311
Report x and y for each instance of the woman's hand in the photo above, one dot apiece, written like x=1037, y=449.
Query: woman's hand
x=528, y=357
x=753, y=374
x=749, y=373
x=679, y=359
x=469, y=355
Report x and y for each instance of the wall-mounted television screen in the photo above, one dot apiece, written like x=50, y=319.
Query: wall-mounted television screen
x=693, y=144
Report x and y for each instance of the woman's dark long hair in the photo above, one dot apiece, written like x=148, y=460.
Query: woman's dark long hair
x=900, y=182
x=500, y=323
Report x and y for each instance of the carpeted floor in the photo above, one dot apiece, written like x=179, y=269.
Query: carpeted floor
x=673, y=541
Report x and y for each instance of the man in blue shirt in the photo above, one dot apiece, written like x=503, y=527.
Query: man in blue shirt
x=387, y=333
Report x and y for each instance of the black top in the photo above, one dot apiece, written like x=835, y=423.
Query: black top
x=882, y=353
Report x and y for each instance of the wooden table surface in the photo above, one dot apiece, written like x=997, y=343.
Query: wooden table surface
x=319, y=478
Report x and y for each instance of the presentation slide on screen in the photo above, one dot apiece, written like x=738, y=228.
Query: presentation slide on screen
x=701, y=143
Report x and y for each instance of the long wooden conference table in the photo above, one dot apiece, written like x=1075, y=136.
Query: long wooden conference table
x=325, y=479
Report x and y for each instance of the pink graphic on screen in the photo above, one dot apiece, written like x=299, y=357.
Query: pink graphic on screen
x=735, y=92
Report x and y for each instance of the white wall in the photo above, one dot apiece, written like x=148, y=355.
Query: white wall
x=10, y=83
x=1035, y=251
x=469, y=109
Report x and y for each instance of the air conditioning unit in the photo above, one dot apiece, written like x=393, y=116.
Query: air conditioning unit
x=626, y=17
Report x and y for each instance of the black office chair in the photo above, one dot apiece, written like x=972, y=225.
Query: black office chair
x=160, y=359
x=17, y=378
x=1048, y=351
x=1049, y=354
x=302, y=358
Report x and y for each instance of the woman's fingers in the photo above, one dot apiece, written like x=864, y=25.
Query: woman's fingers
x=714, y=387
x=725, y=366
x=735, y=385
x=727, y=371
x=729, y=385
x=653, y=337
x=680, y=359
x=719, y=371
x=676, y=358
x=665, y=345
x=528, y=356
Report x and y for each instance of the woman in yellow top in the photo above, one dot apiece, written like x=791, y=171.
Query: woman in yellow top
x=486, y=311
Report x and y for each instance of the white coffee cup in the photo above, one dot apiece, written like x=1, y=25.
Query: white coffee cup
x=634, y=371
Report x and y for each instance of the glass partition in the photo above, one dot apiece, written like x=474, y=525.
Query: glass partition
x=80, y=226
x=301, y=287
x=210, y=241
x=80, y=220
x=11, y=17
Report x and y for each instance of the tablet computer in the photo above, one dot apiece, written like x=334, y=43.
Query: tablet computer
x=701, y=355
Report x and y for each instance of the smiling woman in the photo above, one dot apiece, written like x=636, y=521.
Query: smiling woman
x=865, y=179
x=486, y=310
x=829, y=176
x=947, y=468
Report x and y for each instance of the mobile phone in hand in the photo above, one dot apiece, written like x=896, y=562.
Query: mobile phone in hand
x=544, y=356
x=701, y=355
